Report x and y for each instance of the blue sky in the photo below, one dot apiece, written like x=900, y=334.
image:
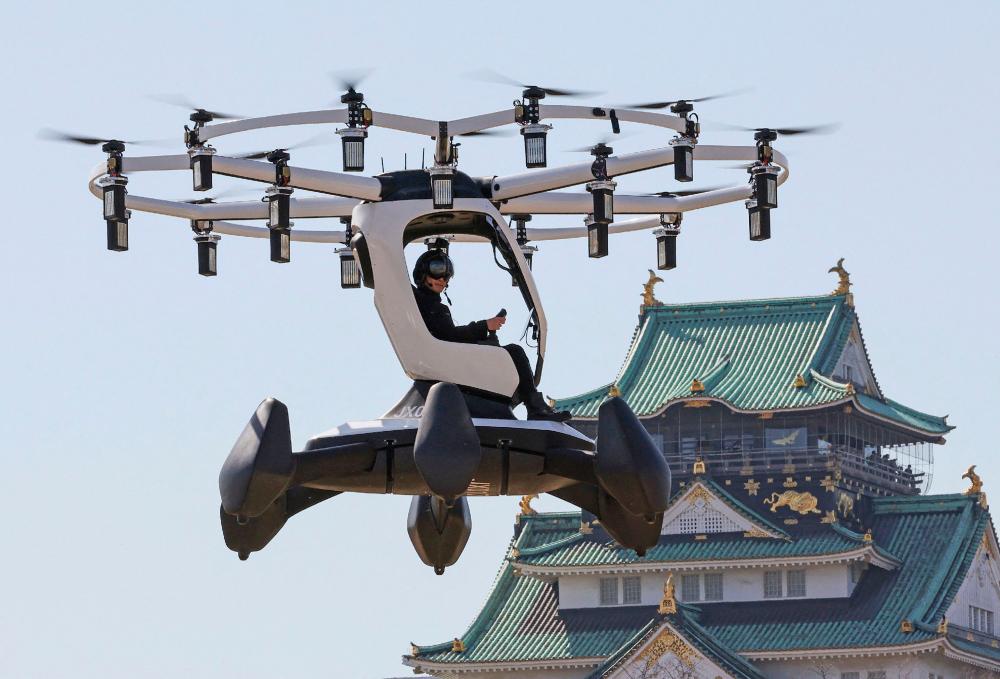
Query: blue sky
x=128, y=377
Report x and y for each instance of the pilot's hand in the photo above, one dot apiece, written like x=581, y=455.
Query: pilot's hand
x=494, y=324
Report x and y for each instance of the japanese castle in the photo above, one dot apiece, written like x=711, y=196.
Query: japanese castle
x=800, y=541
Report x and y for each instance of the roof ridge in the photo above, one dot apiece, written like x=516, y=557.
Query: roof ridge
x=728, y=303
x=929, y=601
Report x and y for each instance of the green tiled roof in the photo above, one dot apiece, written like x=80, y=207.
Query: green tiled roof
x=521, y=621
x=685, y=622
x=746, y=354
x=934, y=539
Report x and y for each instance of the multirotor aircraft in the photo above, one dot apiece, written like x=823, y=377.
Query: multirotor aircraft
x=453, y=434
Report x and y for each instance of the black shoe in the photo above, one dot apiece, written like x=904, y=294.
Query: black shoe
x=538, y=409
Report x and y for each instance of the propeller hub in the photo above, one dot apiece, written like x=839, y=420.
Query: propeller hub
x=201, y=116
x=682, y=107
x=601, y=150
x=765, y=135
x=533, y=92
x=352, y=97
x=113, y=146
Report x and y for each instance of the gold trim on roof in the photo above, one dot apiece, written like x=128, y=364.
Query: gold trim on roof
x=803, y=503
x=799, y=382
x=905, y=626
x=699, y=492
x=457, y=645
x=696, y=386
x=974, y=479
x=525, y=505
x=668, y=642
x=844, y=284
x=699, y=466
x=668, y=605
x=648, y=296
x=614, y=391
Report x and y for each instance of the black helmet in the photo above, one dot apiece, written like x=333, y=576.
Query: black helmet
x=434, y=263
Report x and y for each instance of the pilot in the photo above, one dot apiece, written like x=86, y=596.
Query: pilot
x=431, y=275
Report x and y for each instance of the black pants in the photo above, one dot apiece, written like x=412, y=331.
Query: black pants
x=525, y=375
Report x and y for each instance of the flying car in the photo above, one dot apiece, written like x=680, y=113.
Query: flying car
x=453, y=434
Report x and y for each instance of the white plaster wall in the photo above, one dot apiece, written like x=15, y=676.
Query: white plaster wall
x=743, y=584
x=981, y=589
x=895, y=667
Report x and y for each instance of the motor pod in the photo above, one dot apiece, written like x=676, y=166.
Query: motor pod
x=260, y=465
x=628, y=530
x=252, y=535
x=629, y=467
x=438, y=533
x=446, y=450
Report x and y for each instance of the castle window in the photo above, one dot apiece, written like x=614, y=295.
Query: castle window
x=713, y=586
x=631, y=590
x=981, y=620
x=877, y=674
x=688, y=523
x=853, y=675
x=773, y=585
x=796, y=583
x=609, y=591
x=690, y=588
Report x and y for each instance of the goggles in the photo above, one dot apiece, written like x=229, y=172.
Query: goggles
x=440, y=268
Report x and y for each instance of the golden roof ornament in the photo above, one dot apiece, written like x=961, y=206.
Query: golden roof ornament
x=942, y=627
x=648, y=297
x=844, y=285
x=668, y=605
x=525, y=505
x=698, y=467
x=585, y=528
x=974, y=479
x=614, y=391
x=697, y=386
x=414, y=649
x=867, y=537
x=457, y=645
x=905, y=626
x=799, y=382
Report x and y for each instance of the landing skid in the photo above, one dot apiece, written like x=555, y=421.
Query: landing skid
x=440, y=458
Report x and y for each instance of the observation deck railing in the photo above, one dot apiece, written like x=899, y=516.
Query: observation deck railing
x=872, y=468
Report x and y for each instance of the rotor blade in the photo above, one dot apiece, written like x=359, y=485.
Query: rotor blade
x=689, y=192
x=553, y=92
x=350, y=79
x=489, y=75
x=784, y=131
x=488, y=133
x=665, y=104
x=320, y=139
x=815, y=129
x=183, y=102
x=231, y=192
x=57, y=135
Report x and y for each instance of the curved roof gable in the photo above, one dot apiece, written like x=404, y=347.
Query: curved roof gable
x=754, y=356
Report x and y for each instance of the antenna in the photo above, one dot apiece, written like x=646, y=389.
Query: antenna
x=383, y=163
x=404, y=161
x=423, y=155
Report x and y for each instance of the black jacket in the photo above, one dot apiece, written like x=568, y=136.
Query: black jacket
x=437, y=316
